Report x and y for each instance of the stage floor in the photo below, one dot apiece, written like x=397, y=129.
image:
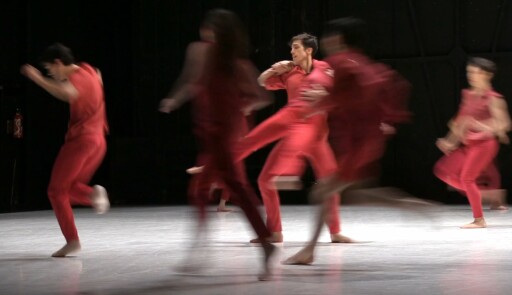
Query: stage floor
x=137, y=250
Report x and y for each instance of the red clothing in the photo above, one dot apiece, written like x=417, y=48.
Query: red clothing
x=476, y=107
x=82, y=152
x=301, y=134
x=355, y=114
x=222, y=99
x=290, y=81
x=87, y=112
x=462, y=167
x=75, y=165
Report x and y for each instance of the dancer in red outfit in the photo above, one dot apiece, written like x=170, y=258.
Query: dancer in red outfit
x=84, y=148
x=185, y=89
x=364, y=104
x=219, y=93
x=302, y=133
x=473, y=140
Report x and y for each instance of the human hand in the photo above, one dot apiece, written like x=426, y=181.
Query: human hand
x=30, y=72
x=314, y=94
x=283, y=66
x=387, y=129
x=168, y=105
x=445, y=146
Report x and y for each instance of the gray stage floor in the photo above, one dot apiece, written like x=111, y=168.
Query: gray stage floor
x=137, y=250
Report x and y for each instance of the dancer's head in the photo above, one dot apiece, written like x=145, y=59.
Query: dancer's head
x=303, y=47
x=480, y=72
x=56, y=58
x=228, y=33
x=342, y=33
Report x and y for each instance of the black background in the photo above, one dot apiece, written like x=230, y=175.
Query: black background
x=139, y=46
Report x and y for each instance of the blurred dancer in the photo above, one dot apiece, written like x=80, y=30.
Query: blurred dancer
x=366, y=101
x=473, y=141
x=489, y=183
x=185, y=89
x=301, y=131
x=223, y=82
x=80, y=85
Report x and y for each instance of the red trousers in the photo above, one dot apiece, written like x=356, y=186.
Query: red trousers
x=221, y=166
x=205, y=182
x=358, y=147
x=75, y=165
x=462, y=167
x=299, y=138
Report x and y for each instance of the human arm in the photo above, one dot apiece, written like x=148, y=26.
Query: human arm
x=452, y=140
x=449, y=143
x=100, y=77
x=62, y=90
x=255, y=96
x=275, y=70
x=186, y=86
x=500, y=122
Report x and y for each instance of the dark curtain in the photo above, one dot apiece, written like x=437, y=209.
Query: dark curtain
x=140, y=45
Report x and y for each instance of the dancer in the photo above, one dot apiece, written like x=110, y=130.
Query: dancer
x=473, y=141
x=184, y=90
x=302, y=133
x=365, y=102
x=224, y=80
x=80, y=85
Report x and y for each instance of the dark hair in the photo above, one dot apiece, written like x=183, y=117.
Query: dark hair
x=57, y=51
x=352, y=29
x=308, y=41
x=230, y=35
x=483, y=64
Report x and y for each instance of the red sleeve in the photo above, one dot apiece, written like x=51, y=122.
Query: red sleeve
x=275, y=82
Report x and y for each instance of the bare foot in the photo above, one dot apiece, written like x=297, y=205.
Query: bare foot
x=287, y=183
x=99, y=199
x=276, y=237
x=69, y=248
x=477, y=223
x=269, y=250
x=339, y=238
x=303, y=257
x=222, y=206
x=224, y=209
x=498, y=207
x=496, y=198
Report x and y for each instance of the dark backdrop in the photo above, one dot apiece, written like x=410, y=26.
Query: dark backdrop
x=139, y=46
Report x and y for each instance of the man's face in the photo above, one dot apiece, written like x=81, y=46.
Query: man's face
x=477, y=77
x=299, y=54
x=54, y=70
